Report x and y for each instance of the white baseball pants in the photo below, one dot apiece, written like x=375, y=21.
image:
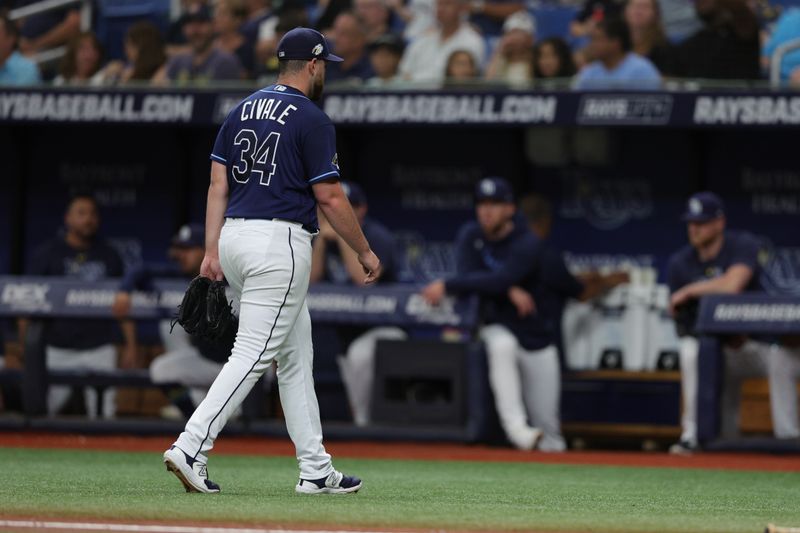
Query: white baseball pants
x=357, y=369
x=182, y=363
x=752, y=359
x=101, y=358
x=526, y=386
x=267, y=263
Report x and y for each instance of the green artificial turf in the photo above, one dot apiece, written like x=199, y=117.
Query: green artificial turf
x=432, y=494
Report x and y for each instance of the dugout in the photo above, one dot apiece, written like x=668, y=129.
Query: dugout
x=618, y=167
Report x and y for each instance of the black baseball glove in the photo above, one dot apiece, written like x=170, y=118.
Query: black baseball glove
x=205, y=311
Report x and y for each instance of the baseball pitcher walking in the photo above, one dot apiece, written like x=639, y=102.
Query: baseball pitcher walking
x=274, y=160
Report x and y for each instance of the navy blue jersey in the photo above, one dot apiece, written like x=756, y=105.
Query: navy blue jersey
x=685, y=267
x=275, y=144
x=382, y=243
x=738, y=248
x=490, y=268
x=100, y=260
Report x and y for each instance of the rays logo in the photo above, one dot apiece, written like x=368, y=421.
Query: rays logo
x=607, y=204
x=335, y=160
x=488, y=187
x=695, y=206
x=317, y=50
x=780, y=269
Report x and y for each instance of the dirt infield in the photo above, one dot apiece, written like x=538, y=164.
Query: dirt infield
x=408, y=450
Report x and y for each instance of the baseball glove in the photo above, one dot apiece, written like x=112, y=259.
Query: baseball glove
x=219, y=313
x=205, y=311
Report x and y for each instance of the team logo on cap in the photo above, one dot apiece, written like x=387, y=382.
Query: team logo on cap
x=695, y=206
x=335, y=160
x=185, y=233
x=281, y=53
x=488, y=187
x=317, y=50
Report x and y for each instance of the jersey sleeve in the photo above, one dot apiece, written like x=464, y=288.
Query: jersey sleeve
x=675, y=278
x=319, y=153
x=520, y=263
x=220, y=151
x=745, y=252
x=557, y=276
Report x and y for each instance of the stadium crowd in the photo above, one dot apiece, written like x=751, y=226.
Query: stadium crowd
x=634, y=44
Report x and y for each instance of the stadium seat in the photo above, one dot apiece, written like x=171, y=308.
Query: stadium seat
x=553, y=21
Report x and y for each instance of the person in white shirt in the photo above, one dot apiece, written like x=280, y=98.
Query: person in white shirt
x=425, y=58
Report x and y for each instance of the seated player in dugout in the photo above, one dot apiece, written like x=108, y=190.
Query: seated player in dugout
x=189, y=361
x=335, y=262
x=497, y=258
x=78, y=253
x=721, y=261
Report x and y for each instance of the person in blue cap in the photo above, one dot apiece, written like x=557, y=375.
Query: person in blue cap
x=273, y=163
x=720, y=261
x=189, y=361
x=496, y=255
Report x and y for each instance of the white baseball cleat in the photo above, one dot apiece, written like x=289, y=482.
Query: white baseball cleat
x=335, y=483
x=191, y=472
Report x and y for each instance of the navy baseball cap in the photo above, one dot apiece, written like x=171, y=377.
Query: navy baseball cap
x=495, y=189
x=190, y=235
x=305, y=43
x=703, y=206
x=354, y=193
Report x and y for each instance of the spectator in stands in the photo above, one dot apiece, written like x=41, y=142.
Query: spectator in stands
x=176, y=39
x=333, y=261
x=512, y=61
x=385, y=54
x=48, y=30
x=720, y=261
x=229, y=15
x=493, y=255
x=647, y=33
x=14, y=68
x=204, y=63
x=350, y=43
x=82, y=61
x=78, y=253
x=727, y=47
x=145, y=54
x=462, y=68
x=259, y=13
x=616, y=66
x=593, y=13
x=786, y=29
x=552, y=58
x=425, y=59
x=374, y=15
x=189, y=361
x=329, y=10
x=419, y=16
